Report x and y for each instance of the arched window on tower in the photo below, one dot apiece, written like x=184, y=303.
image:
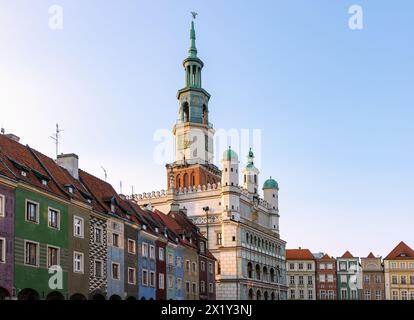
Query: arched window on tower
x=185, y=181
x=249, y=270
x=178, y=182
x=193, y=179
x=186, y=112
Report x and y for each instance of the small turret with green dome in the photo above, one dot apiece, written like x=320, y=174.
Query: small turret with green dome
x=230, y=155
x=271, y=184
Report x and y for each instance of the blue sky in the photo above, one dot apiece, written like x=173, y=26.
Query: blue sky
x=335, y=106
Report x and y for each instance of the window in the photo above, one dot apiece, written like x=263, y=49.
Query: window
x=170, y=282
x=187, y=287
x=211, y=288
x=301, y=294
x=2, y=205
x=292, y=294
x=144, y=277
x=329, y=266
x=202, y=287
x=394, y=295
x=309, y=266
x=187, y=265
x=300, y=266
x=342, y=265
x=179, y=262
x=323, y=294
x=403, y=295
x=203, y=266
x=194, y=269
x=322, y=266
x=32, y=211
x=331, y=295
x=378, y=295
x=115, y=240
x=161, y=281
x=330, y=278
x=152, y=278
x=144, y=249
x=394, y=279
x=354, y=294
x=344, y=278
x=53, y=218
x=52, y=256
x=115, y=271
x=170, y=259
x=411, y=295
x=378, y=279
x=367, y=295
x=366, y=278
x=131, y=276
x=210, y=268
x=98, y=267
x=402, y=265
x=31, y=253
x=291, y=266
x=344, y=294
x=131, y=246
x=310, y=280
x=292, y=279
x=98, y=235
x=77, y=262
x=219, y=238
x=393, y=265
x=403, y=280
x=152, y=252
x=2, y=250
x=202, y=247
x=300, y=279
x=411, y=279
x=78, y=227
x=161, y=254
x=179, y=283
x=321, y=278
x=310, y=294
x=194, y=288
x=412, y=265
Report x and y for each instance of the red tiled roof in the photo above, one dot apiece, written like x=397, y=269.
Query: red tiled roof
x=401, y=252
x=347, y=255
x=299, y=254
x=371, y=255
x=326, y=257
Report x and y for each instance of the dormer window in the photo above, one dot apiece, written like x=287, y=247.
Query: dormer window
x=202, y=246
x=113, y=208
x=70, y=189
x=89, y=201
x=144, y=227
x=44, y=182
x=23, y=173
x=156, y=229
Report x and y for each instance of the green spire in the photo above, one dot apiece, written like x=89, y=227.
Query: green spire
x=192, y=52
x=250, y=158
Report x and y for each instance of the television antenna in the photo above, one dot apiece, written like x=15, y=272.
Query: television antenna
x=56, y=137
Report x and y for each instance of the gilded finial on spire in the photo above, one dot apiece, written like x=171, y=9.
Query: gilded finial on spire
x=192, y=52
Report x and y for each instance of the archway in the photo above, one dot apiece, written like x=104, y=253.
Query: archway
x=131, y=298
x=28, y=294
x=258, y=295
x=55, y=295
x=97, y=295
x=77, y=296
x=143, y=298
x=272, y=296
x=257, y=272
x=266, y=295
x=186, y=112
x=250, y=270
x=265, y=275
x=115, y=297
x=185, y=181
x=4, y=294
x=251, y=294
x=272, y=275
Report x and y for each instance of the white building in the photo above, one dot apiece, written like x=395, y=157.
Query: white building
x=301, y=274
x=242, y=228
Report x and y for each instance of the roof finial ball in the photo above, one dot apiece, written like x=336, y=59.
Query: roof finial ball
x=194, y=14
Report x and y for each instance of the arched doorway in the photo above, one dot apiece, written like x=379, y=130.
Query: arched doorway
x=115, y=297
x=266, y=295
x=265, y=275
x=143, y=298
x=4, y=294
x=258, y=295
x=28, y=294
x=131, y=298
x=185, y=182
x=251, y=294
x=77, y=296
x=97, y=295
x=55, y=295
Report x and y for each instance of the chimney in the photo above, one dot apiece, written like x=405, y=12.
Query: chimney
x=13, y=137
x=70, y=162
x=175, y=207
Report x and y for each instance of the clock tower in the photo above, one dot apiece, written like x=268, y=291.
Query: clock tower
x=193, y=133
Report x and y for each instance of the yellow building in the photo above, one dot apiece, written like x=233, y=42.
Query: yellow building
x=399, y=273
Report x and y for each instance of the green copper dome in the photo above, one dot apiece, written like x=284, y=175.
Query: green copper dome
x=271, y=184
x=229, y=155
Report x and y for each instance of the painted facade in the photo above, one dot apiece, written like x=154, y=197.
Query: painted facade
x=349, y=277
x=301, y=274
x=131, y=261
x=115, y=259
x=326, y=278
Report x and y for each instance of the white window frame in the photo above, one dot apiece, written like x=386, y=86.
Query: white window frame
x=134, y=251
x=152, y=277
x=179, y=283
x=152, y=251
x=170, y=282
x=37, y=253
x=134, y=277
x=3, y=257
x=210, y=288
x=144, y=249
x=161, y=254
x=202, y=266
x=194, y=288
x=48, y=218
x=161, y=281
x=145, y=278
x=102, y=268
x=194, y=267
x=82, y=222
x=2, y=205
x=37, y=211
x=202, y=286
x=75, y=253
x=117, y=236
x=187, y=287
x=47, y=255
x=112, y=270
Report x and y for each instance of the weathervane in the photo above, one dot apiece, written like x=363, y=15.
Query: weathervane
x=194, y=14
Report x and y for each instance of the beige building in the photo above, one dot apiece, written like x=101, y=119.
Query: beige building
x=301, y=274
